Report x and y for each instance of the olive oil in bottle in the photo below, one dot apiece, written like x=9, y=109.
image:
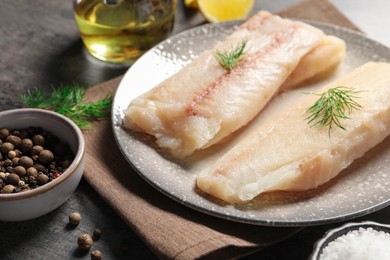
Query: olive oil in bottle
x=120, y=31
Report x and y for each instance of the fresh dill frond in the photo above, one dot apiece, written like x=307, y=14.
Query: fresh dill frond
x=70, y=102
x=333, y=106
x=229, y=59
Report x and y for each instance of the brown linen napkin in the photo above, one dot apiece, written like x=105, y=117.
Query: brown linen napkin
x=170, y=229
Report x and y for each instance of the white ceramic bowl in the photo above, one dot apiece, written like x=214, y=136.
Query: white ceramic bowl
x=335, y=233
x=42, y=200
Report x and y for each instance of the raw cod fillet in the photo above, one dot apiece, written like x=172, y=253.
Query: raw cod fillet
x=203, y=103
x=287, y=154
x=320, y=60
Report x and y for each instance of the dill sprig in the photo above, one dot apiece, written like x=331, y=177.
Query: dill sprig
x=70, y=102
x=229, y=59
x=332, y=106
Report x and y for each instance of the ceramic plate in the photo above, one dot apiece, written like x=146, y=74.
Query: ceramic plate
x=360, y=189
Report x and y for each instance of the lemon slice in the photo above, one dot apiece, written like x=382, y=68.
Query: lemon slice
x=225, y=10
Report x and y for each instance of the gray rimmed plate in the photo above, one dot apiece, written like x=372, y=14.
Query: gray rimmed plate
x=360, y=189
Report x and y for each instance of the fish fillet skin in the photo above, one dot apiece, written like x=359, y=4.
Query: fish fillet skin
x=285, y=153
x=203, y=103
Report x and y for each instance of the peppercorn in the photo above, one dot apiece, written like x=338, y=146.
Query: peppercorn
x=11, y=154
x=15, y=161
x=31, y=171
x=12, y=179
x=20, y=171
x=22, y=133
x=46, y=156
x=40, y=168
x=74, y=218
x=65, y=164
x=15, y=132
x=6, y=147
x=38, y=140
x=84, y=242
x=97, y=233
x=8, y=189
x=19, y=155
x=26, y=145
x=13, y=139
x=7, y=162
x=4, y=132
x=36, y=149
x=42, y=179
x=26, y=162
x=32, y=179
x=96, y=255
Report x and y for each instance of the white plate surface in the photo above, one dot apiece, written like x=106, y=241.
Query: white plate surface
x=362, y=188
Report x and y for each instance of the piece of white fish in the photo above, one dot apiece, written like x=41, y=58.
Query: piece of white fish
x=320, y=60
x=203, y=103
x=285, y=153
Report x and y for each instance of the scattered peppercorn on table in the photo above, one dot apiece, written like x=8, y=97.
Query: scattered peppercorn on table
x=41, y=48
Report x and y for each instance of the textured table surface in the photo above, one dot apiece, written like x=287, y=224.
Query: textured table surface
x=40, y=47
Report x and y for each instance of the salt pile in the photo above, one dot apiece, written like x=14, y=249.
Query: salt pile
x=361, y=244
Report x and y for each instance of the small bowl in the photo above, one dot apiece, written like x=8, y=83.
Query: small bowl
x=44, y=199
x=333, y=234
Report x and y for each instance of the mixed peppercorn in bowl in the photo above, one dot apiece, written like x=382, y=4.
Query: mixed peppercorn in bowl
x=41, y=162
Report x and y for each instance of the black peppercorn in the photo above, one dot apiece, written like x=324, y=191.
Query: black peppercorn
x=46, y=156
x=97, y=233
x=23, y=133
x=96, y=255
x=74, y=218
x=12, y=179
x=7, y=163
x=84, y=242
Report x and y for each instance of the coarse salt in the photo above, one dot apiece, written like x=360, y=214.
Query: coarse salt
x=361, y=244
